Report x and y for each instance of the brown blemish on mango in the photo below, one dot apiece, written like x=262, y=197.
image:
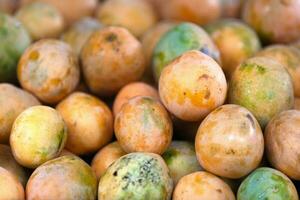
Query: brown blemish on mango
x=219, y=190
x=34, y=55
x=111, y=37
x=207, y=94
x=204, y=76
x=251, y=120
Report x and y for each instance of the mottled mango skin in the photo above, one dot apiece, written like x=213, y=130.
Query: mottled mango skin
x=49, y=69
x=136, y=176
x=202, y=185
x=10, y=187
x=181, y=159
x=132, y=90
x=283, y=143
x=89, y=122
x=192, y=86
x=225, y=140
x=8, y=162
x=289, y=57
x=149, y=41
x=235, y=40
x=14, y=40
x=12, y=102
x=79, y=33
x=197, y=11
x=263, y=86
x=38, y=135
x=135, y=15
x=274, y=21
x=41, y=20
x=72, y=10
x=65, y=178
x=267, y=183
x=111, y=58
x=143, y=125
x=178, y=40
x=105, y=157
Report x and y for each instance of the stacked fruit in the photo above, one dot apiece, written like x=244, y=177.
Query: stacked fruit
x=149, y=99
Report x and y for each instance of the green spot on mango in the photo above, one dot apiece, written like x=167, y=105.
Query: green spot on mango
x=170, y=155
x=261, y=69
x=60, y=138
x=248, y=67
x=150, y=116
x=43, y=154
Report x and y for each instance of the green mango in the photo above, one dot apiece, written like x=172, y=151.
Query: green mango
x=14, y=39
x=267, y=184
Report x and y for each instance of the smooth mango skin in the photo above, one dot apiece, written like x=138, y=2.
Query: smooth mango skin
x=14, y=40
x=89, y=122
x=136, y=176
x=202, y=185
x=41, y=20
x=267, y=183
x=289, y=57
x=79, y=33
x=181, y=159
x=225, y=140
x=63, y=178
x=275, y=21
x=235, y=40
x=38, y=135
x=143, y=125
x=263, y=86
x=178, y=40
x=13, y=101
x=10, y=187
x=8, y=162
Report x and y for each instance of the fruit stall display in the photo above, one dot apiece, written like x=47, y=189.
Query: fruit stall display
x=149, y=99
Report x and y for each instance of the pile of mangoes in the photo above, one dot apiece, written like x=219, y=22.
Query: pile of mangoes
x=149, y=99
